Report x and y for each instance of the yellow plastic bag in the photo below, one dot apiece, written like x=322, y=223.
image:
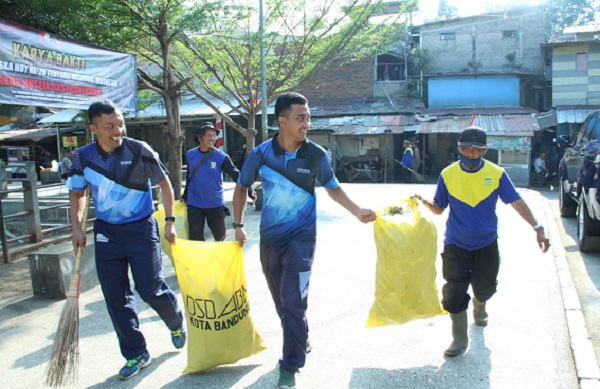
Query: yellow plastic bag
x=405, y=286
x=181, y=225
x=213, y=286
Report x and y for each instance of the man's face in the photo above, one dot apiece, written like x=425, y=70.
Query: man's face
x=406, y=145
x=70, y=155
x=295, y=122
x=208, y=139
x=471, y=152
x=543, y=155
x=109, y=129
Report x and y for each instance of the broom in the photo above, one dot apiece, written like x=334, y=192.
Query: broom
x=64, y=359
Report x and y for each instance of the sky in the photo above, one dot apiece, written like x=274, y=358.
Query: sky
x=429, y=8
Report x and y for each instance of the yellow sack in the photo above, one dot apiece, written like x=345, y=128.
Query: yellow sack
x=405, y=286
x=213, y=286
x=181, y=225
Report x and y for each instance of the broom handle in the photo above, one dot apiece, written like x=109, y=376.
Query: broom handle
x=88, y=194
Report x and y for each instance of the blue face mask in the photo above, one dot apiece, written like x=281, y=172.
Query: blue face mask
x=470, y=163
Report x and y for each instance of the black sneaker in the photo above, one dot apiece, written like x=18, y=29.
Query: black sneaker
x=133, y=366
x=178, y=338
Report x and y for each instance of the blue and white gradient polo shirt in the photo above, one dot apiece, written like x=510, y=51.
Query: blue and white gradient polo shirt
x=120, y=181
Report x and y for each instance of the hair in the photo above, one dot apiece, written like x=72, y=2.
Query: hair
x=543, y=152
x=100, y=107
x=285, y=101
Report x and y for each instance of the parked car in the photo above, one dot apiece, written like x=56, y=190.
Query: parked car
x=579, y=183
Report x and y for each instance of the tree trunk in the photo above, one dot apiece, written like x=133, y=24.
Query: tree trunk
x=172, y=108
x=250, y=133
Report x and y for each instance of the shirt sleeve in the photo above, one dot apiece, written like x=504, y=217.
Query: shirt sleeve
x=229, y=168
x=507, y=191
x=155, y=169
x=441, y=193
x=327, y=177
x=76, y=180
x=249, y=172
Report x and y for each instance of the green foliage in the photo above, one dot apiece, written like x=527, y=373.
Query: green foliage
x=567, y=13
x=446, y=11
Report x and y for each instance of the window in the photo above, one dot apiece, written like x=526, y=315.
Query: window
x=509, y=34
x=596, y=131
x=390, y=71
x=588, y=129
x=582, y=61
x=447, y=36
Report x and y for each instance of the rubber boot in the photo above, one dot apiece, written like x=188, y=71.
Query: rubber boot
x=459, y=334
x=479, y=313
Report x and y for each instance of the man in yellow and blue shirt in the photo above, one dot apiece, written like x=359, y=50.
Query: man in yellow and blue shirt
x=471, y=188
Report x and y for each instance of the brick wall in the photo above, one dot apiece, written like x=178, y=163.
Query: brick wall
x=348, y=80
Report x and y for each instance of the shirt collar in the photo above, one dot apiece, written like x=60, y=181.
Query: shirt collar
x=105, y=155
x=279, y=151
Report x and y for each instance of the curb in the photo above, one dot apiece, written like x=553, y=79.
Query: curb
x=584, y=356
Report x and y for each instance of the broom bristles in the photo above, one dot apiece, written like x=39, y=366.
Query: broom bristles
x=64, y=360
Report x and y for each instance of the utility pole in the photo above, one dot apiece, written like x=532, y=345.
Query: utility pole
x=263, y=75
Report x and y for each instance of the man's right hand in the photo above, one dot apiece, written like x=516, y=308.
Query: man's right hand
x=78, y=240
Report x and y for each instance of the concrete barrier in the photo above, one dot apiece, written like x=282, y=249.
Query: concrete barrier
x=51, y=269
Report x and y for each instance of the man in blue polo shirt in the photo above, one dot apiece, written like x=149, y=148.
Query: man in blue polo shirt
x=289, y=165
x=471, y=188
x=204, y=185
x=120, y=172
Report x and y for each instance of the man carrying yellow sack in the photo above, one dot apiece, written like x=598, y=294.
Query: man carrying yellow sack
x=289, y=165
x=471, y=188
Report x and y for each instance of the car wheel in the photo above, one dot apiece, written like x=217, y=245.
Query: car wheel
x=587, y=230
x=567, y=206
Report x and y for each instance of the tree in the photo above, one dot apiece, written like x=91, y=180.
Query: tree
x=567, y=13
x=301, y=37
x=446, y=11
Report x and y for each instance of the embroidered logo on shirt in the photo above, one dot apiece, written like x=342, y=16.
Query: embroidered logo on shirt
x=213, y=165
x=101, y=238
x=125, y=162
x=488, y=180
x=303, y=171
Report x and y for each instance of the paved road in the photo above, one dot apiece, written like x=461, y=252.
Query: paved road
x=526, y=345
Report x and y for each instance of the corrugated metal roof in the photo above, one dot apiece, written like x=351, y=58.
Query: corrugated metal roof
x=547, y=119
x=464, y=111
x=363, y=106
x=574, y=114
x=362, y=124
x=492, y=124
x=35, y=134
x=66, y=116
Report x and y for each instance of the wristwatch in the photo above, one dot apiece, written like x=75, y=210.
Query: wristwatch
x=538, y=226
x=170, y=219
x=236, y=225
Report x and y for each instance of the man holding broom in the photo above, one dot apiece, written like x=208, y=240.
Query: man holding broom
x=120, y=172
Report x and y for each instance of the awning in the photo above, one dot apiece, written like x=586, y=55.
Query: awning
x=498, y=125
x=34, y=135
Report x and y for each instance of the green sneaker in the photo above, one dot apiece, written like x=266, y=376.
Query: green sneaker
x=178, y=338
x=133, y=366
x=287, y=379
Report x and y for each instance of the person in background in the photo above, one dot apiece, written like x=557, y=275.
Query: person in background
x=65, y=165
x=289, y=166
x=540, y=168
x=120, y=172
x=407, y=161
x=416, y=154
x=471, y=189
x=204, y=185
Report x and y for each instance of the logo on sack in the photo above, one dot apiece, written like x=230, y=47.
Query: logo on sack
x=101, y=238
x=125, y=163
x=205, y=315
x=303, y=171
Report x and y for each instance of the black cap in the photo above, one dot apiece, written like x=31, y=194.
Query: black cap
x=472, y=136
x=206, y=126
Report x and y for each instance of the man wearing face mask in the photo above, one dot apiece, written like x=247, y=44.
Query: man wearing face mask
x=471, y=187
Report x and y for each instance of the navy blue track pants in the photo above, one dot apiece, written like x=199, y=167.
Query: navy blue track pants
x=287, y=270
x=134, y=245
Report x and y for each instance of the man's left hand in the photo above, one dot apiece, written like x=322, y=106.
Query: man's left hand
x=542, y=240
x=170, y=233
